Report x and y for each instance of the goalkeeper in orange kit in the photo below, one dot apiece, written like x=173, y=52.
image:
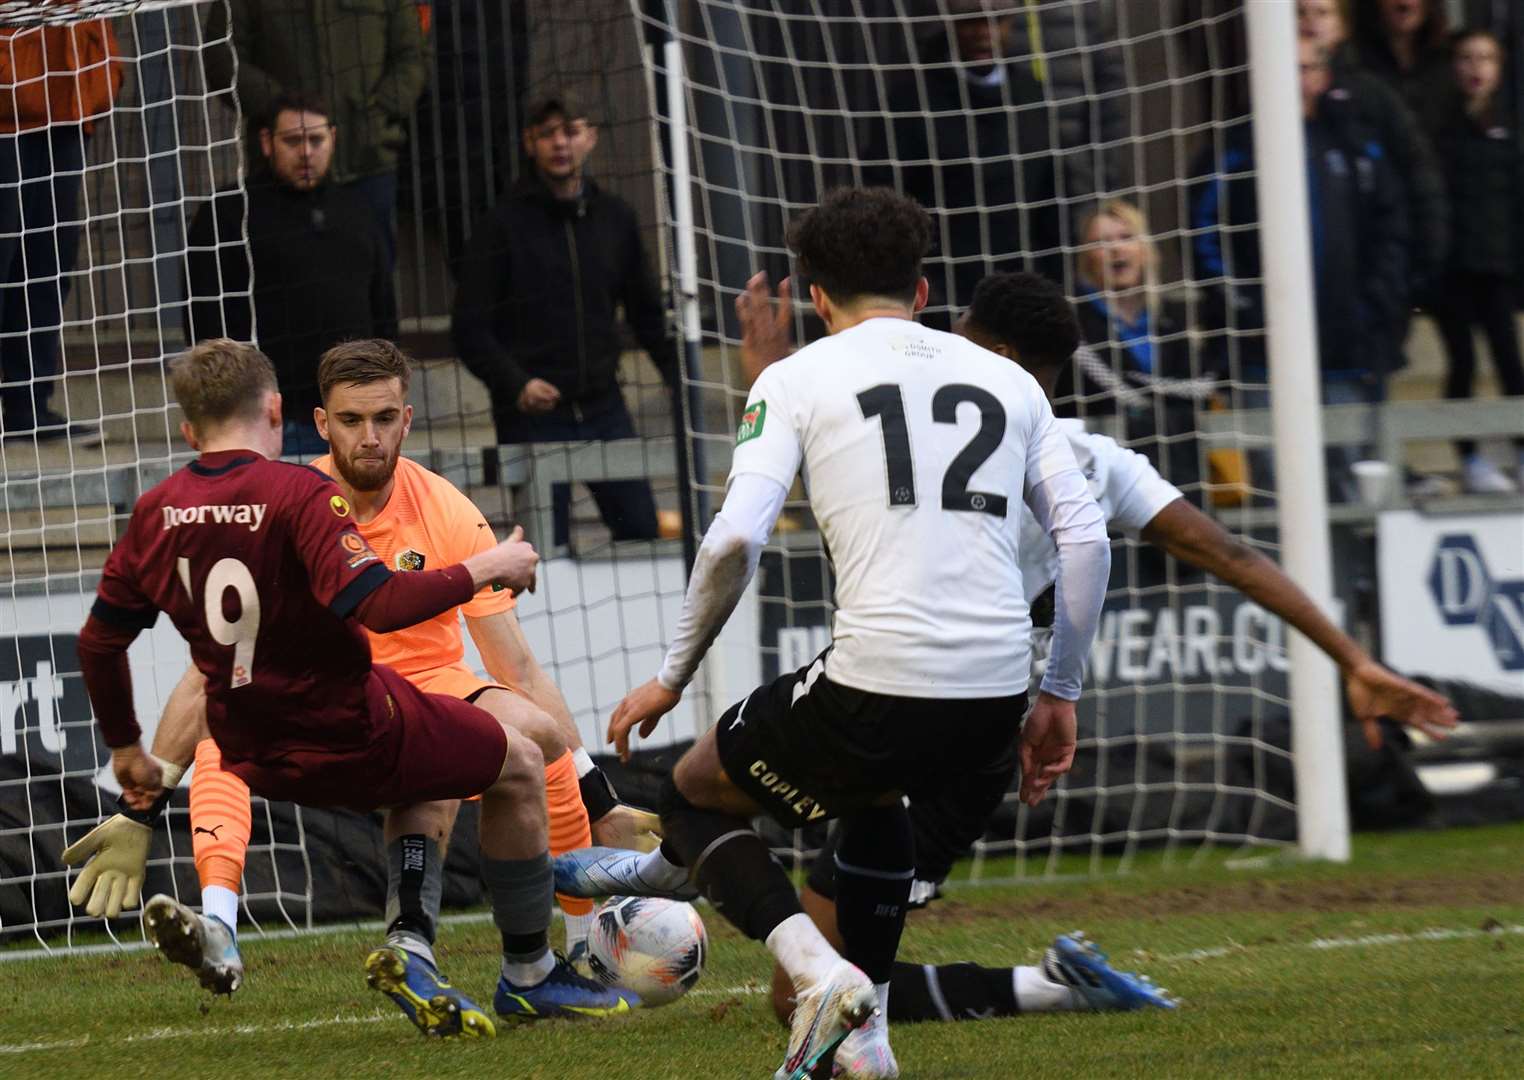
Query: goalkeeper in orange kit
x=413, y=519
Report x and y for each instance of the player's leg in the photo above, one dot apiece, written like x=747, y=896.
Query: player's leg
x=567, y=817
x=706, y=821
x=220, y=821
x=515, y=837
x=875, y=864
x=438, y=748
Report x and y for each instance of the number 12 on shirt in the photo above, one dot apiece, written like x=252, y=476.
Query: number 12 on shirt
x=887, y=402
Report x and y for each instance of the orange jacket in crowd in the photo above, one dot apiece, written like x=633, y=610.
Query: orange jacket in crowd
x=57, y=75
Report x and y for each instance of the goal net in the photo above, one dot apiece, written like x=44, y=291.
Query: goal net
x=716, y=120
x=1103, y=145
x=131, y=181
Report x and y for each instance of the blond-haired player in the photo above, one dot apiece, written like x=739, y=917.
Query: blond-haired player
x=412, y=519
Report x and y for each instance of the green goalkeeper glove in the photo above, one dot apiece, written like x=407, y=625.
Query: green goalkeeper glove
x=117, y=854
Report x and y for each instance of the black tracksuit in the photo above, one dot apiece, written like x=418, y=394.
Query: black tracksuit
x=1483, y=160
x=320, y=278
x=539, y=295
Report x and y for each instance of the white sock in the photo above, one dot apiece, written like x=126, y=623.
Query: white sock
x=654, y=869
x=222, y=902
x=882, y=990
x=1035, y=992
x=577, y=927
x=583, y=761
x=414, y=944
x=798, y=945
x=530, y=973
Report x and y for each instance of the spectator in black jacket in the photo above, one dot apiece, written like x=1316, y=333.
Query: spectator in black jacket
x=1406, y=42
x=1136, y=363
x=1360, y=243
x=971, y=143
x=1381, y=112
x=1482, y=150
x=319, y=261
x=536, y=311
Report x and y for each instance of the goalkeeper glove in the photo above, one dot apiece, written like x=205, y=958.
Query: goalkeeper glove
x=117, y=850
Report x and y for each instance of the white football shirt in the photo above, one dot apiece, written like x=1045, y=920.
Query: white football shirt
x=918, y=449
x=1128, y=489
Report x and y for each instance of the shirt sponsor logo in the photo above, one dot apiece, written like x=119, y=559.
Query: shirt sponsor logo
x=358, y=550
x=751, y=422
x=251, y=515
x=339, y=505
x=410, y=560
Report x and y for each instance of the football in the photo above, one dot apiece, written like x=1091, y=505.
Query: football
x=654, y=947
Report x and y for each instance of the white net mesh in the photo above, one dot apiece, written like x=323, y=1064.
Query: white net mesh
x=1014, y=123
x=153, y=223
x=93, y=238
x=1185, y=740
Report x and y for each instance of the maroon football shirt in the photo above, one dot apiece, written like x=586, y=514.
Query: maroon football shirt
x=259, y=565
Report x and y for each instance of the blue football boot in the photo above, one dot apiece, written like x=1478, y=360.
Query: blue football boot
x=1076, y=962
x=596, y=872
x=425, y=996
x=562, y=993
x=203, y=943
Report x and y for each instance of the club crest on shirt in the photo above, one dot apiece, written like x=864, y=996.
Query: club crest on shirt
x=339, y=505
x=751, y=422
x=409, y=560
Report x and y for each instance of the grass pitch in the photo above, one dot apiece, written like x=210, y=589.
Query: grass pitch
x=1408, y=962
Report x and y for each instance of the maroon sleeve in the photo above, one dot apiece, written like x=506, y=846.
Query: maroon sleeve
x=118, y=600
x=108, y=678
x=340, y=564
x=405, y=599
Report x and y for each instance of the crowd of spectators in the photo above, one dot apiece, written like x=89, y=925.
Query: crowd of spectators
x=1008, y=127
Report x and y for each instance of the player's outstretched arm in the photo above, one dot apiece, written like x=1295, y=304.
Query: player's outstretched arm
x=726, y=561
x=508, y=658
x=403, y=600
x=182, y=724
x=1373, y=690
x=767, y=324
x=512, y=564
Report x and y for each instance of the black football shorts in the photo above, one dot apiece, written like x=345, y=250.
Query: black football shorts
x=809, y=750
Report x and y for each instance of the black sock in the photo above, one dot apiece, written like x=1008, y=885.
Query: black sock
x=875, y=864
x=598, y=794
x=731, y=865
x=414, y=886
x=950, y=992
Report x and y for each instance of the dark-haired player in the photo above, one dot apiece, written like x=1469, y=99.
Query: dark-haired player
x=919, y=449
x=1027, y=319
x=263, y=572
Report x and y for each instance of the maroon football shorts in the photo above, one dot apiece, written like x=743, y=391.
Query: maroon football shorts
x=423, y=747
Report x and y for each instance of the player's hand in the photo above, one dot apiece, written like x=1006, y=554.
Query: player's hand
x=1047, y=745
x=644, y=705
x=538, y=396
x=511, y=563
x=139, y=774
x=113, y=878
x=1375, y=692
x=767, y=325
